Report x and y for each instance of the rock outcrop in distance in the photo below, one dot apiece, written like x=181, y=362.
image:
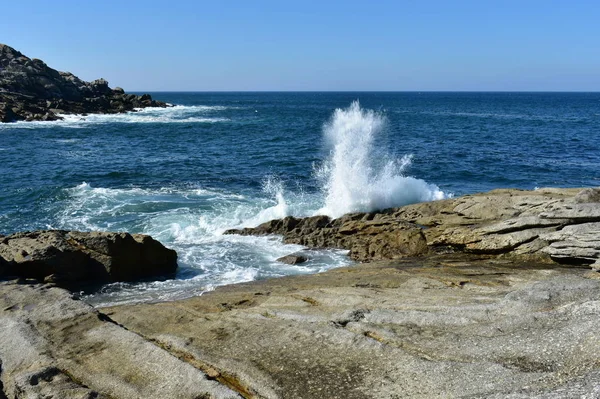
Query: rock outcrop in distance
x=560, y=225
x=71, y=258
x=32, y=91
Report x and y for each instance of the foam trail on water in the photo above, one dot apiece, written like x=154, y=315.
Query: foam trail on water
x=191, y=220
x=176, y=114
x=355, y=177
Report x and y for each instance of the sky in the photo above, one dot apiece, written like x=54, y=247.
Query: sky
x=263, y=45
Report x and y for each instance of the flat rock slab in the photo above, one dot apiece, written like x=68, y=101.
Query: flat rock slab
x=52, y=346
x=446, y=326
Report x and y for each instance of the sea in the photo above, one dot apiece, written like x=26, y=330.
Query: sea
x=217, y=161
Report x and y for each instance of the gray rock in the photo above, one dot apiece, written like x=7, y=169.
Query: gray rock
x=436, y=327
x=588, y=212
x=588, y=195
x=52, y=346
x=579, y=242
x=292, y=259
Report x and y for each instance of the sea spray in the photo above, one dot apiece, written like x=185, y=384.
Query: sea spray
x=357, y=178
x=274, y=188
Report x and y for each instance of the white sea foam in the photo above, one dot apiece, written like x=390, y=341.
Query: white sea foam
x=176, y=114
x=356, y=177
x=192, y=220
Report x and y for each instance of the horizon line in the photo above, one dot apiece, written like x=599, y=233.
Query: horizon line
x=366, y=91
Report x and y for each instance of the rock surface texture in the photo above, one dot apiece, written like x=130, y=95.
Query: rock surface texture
x=71, y=258
x=30, y=90
x=52, y=346
x=449, y=326
x=561, y=225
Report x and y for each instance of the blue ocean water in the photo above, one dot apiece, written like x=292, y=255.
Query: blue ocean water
x=224, y=160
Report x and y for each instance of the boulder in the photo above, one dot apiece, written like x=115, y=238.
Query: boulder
x=293, y=259
x=71, y=257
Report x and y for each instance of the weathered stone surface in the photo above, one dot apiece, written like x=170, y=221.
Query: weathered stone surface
x=52, y=346
x=501, y=222
x=575, y=243
x=30, y=90
x=436, y=327
x=71, y=257
x=588, y=195
x=367, y=236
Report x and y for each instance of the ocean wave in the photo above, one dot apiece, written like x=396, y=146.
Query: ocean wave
x=358, y=178
x=192, y=220
x=176, y=114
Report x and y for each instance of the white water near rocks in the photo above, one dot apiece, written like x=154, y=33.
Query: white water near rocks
x=359, y=178
x=176, y=114
x=354, y=177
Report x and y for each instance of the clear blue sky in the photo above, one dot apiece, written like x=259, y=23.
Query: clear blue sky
x=314, y=45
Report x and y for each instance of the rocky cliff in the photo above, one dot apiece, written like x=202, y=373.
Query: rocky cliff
x=31, y=90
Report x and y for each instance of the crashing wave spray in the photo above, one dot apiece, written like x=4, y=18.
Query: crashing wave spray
x=357, y=179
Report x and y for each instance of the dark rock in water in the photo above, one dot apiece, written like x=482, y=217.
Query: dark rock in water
x=292, y=259
x=71, y=257
x=31, y=90
x=367, y=236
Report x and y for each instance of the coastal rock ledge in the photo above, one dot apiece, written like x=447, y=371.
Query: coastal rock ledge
x=32, y=91
x=548, y=225
x=73, y=258
x=471, y=304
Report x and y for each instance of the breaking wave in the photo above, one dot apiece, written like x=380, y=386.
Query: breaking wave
x=192, y=220
x=175, y=114
x=356, y=177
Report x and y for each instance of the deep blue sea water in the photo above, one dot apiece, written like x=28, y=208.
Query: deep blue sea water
x=223, y=160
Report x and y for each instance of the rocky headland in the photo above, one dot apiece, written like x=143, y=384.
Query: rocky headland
x=491, y=295
x=32, y=91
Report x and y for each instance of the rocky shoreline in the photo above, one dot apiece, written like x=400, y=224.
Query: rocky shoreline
x=492, y=295
x=32, y=91
x=547, y=225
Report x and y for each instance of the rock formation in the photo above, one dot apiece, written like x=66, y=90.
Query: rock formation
x=561, y=225
x=436, y=327
x=483, y=296
x=30, y=90
x=71, y=258
x=52, y=346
